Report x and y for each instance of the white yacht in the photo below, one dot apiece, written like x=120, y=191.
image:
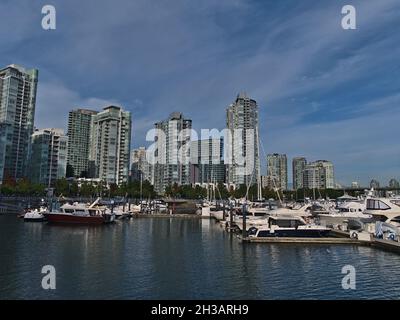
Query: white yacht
x=298, y=210
x=384, y=209
x=288, y=226
x=255, y=216
x=36, y=215
x=345, y=211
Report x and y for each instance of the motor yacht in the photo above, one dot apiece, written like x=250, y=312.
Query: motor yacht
x=36, y=215
x=81, y=213
x=288, y=226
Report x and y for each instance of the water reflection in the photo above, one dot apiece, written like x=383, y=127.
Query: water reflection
x=173, y=258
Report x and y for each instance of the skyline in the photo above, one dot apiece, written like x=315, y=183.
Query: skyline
x=311, y=79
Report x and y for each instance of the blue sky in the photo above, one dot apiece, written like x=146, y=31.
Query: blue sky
x=323, y=92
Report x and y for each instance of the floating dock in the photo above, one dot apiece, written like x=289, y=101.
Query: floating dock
x=293, y=240
x=166, y=215
x=338, y=237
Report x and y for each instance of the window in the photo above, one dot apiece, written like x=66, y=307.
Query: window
x=376, y=205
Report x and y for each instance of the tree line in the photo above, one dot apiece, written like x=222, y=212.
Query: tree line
x=71, y=188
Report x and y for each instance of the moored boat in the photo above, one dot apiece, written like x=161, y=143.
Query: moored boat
x=288, y=226
x=36, y=215
x=79, y=213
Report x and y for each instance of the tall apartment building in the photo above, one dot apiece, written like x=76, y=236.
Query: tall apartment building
x=242, y=154
x=374, y=184
x=207, y=163
x=319, y=175
x=17, y=112
x=79, y=125
x=393, y=183
x=277, y=170
x=355, y=185
x=298, y=167
x=110, y=145
x=48, y=158
x=140, y=167
x=172, y=152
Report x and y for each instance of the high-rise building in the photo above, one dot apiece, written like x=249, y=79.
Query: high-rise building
x=298, y=167
x=319, y=175
x=355, y=185
x=374, y=184
x=110, y=145
x=17, y=112
x=79, y=124
x=266, y=182
x=140, y=167
x=172, y=152
x=242, y=144
x=48, y=158
x=207, y=163
x=277, y=170
x=393, y=183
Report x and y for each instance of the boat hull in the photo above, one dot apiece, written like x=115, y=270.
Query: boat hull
x=71, y=219
x=293, y=234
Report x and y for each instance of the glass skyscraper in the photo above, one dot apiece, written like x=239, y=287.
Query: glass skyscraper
x=242, y=144
x=48, y=156
x=17, y=112
x=79, y=130
x=110, y=144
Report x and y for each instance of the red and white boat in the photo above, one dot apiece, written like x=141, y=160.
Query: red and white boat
x=80, y=213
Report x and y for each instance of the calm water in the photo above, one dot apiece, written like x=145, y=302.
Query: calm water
x=152, y=258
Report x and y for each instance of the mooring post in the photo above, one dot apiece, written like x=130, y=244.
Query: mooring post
x=244, y=212
x=231, y=217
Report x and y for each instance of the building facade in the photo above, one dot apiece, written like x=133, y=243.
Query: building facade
x=207, y=163
x=172, y=152
x=140, y=167
x=18, y=88
x=277, y=170
x=48, y=156
x=79, y=131
x=355, y=185
x=319, y=175
x=393, y=183
x=298, y=167
x=374, y=184
x=110, y=145
x=242, y=143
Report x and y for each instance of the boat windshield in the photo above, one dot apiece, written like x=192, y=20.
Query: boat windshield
x=287, y=223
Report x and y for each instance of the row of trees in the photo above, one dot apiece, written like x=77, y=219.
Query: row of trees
x=131, y=189
x=22, y=187
x=70, y=188
x=197, y=192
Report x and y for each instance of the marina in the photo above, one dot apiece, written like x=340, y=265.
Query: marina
x=369, y=220
x=285, y=253
x=181, y=258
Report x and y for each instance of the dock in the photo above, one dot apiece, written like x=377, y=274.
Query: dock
x=303, y=240
x=166, y=215
x=338, y=238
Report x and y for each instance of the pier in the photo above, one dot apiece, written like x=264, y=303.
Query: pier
x=337, y=237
